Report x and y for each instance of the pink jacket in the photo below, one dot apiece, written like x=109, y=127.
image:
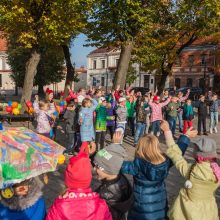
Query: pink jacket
x=157, y=110
x=79, y=204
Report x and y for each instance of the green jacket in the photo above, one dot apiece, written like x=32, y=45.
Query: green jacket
x=101, y=118
x=130, y=109
x=172, y=109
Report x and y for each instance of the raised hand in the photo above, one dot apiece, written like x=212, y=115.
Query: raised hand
x=117, y=137
x=164, y=126
x=191, y=133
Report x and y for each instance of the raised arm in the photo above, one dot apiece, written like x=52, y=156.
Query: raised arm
x=184, y=98
x=95, y=104
x=162, y=104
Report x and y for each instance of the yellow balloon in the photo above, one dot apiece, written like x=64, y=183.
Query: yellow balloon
x=61, y=159
x=7, y=193
x=16, y=111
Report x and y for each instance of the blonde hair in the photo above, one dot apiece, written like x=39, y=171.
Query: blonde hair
x=42, y=103
x=85, y=102
x=148, y=149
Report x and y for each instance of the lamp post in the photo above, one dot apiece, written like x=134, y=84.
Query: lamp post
x=204, y=75
x=106, y=74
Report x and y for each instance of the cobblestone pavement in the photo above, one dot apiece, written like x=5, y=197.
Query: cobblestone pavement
x=174, y=181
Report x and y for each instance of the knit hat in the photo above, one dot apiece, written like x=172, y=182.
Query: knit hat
x=102, y=99
x=78, y=173
x=156, y=98
x=110, y=159
x=205, y=147
x=122, y=99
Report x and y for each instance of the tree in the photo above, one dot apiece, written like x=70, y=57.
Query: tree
x=49, y=70
x=119, y=23
x=131, y=75
x=178, y=25
x=38, y=22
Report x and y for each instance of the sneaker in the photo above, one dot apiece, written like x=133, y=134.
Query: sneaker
x=158, y=134
x=205, y=133
x=215, y=130
x=210, y=131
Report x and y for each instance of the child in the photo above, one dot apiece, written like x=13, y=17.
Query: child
x=156, y=115
x=148, y=111
x=130, y=105
x=188, y=115
x=100, y=123
x=86, y=119
x=213, y=109
x=202, y=114
x=140, y=119
x=121, y=113
x=23, y=201
x=149, y=170
x=115, y=188
x=79, y=201
x=70, y=119
x=45, y=118
x=196, y=200
x=171, y=113
x=111, y=117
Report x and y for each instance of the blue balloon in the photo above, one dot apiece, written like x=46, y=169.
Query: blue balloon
x=56, y=114
x=10, y=103
x=62, y=103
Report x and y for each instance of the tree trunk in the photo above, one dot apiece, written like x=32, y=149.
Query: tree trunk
x=41, y=90
x=162, y=82
x=70, y=69
x=123, y=65
x=30, y=72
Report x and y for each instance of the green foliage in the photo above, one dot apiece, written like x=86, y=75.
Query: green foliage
x=50, y=68
x=132, y=74
x=39, y=22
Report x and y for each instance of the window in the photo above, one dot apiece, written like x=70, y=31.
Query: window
x=103, y=64
x=178, y=61
x=177, y=83
x=203, y=59
x=93, y=81
x=191, y=60
x=102, y=81
x=189, y=82
x=94, y=64
x=146, y=81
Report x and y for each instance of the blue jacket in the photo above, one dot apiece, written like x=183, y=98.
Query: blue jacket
x=87, y=127
x=35, y=212
x=214, y=105
x=150, y=197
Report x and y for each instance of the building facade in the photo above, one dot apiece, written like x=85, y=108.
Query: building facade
x=101, y=67
x=196, y=65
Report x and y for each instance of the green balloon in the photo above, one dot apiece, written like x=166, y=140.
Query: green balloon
x=19, y=106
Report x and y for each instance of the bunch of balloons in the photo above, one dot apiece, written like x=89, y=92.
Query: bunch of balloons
x=30, y=108
x=13, y=108
x=61, y=107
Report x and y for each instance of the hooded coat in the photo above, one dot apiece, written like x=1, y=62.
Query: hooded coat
x=29, y=207
x=150, y=196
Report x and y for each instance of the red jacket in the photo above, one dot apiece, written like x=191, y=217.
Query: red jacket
x=79, y=204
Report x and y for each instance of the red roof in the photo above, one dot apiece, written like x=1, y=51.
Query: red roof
x=3, y=45
x=81, y=70
x=103, y=50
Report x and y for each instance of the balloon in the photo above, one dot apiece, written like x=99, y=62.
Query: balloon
x=62, y=103
x=16, y=111
x=29, y=104
x=56, y=113
x=10, y=103
x=61, y=159
x=58, y=108
x=14, y=104
x=19, y=106
x=30, y=110
x=61, y=109
x=64, y=106
x=9, y=109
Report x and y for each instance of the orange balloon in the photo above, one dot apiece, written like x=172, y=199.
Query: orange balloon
x=14, y=104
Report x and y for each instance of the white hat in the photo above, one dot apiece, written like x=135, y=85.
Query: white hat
x=102, y=99
x=80, y=98
x=122, y=99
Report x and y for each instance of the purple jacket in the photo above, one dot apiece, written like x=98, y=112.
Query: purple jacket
x=111, y=115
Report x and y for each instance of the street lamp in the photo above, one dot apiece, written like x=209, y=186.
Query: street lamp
x=204, y=74
x=106, y=74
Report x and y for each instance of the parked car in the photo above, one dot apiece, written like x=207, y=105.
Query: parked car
x=195, y=92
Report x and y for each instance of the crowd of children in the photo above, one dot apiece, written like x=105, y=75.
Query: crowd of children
x=88, y=118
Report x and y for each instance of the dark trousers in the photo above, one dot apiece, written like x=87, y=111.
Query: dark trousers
x=100, y=139
x=131, y=124
x=111, y=130
x=201, y=123
x=172, y=123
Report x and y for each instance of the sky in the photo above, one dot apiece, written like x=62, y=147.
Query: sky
x=79, y=52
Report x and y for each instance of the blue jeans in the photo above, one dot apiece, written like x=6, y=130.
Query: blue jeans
x=156, y=127
x=180, y=119
x=172, y=123
x=213, y=119
x=140, y=128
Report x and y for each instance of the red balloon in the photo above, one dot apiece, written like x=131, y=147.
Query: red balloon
x=29, y=104
x=9, y=109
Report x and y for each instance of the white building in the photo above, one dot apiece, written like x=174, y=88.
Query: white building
x=101, y=68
